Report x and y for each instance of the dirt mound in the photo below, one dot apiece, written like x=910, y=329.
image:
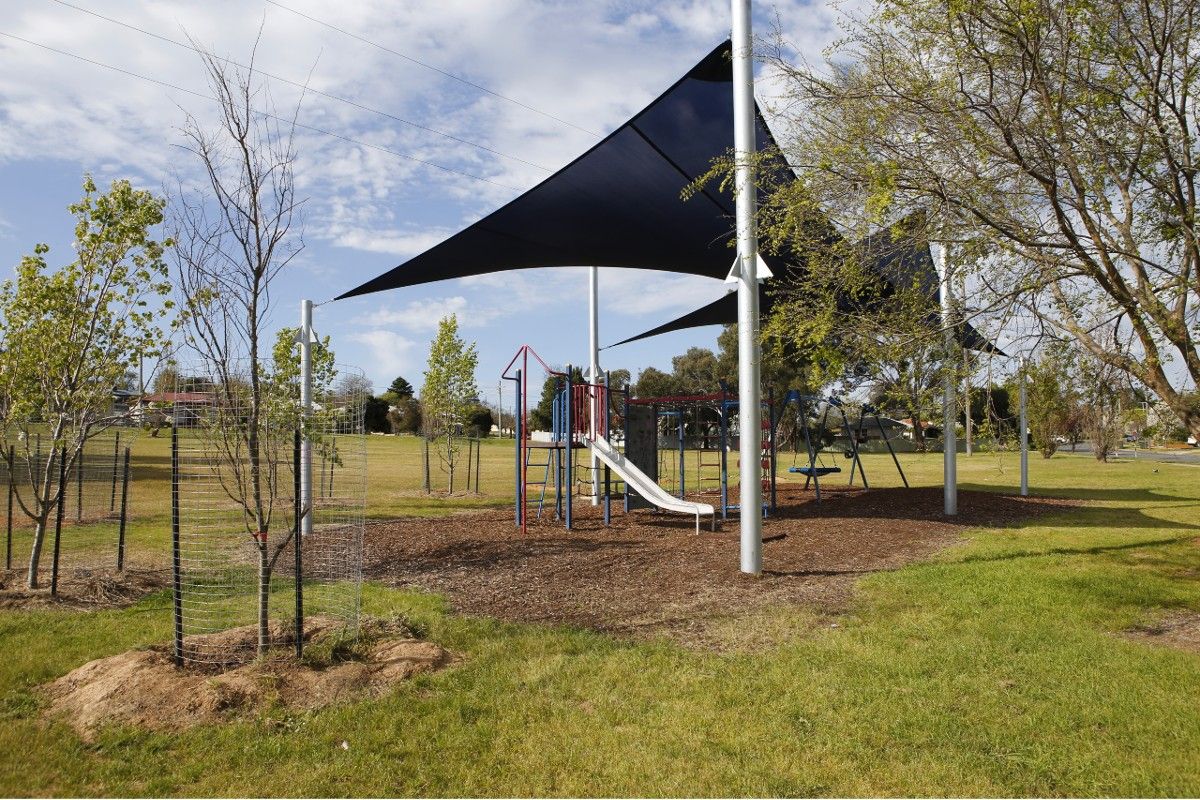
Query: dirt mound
x=82, y=589
x=1180, y=629
x=145, y=689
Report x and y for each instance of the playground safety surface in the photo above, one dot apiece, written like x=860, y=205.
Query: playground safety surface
x=649, y=575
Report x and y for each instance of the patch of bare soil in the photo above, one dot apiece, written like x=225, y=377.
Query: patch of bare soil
x=145, y=689
x=649, y=575
x=82, y=589
x=1179, y=629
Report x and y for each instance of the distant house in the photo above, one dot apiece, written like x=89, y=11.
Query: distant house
x=181, y=409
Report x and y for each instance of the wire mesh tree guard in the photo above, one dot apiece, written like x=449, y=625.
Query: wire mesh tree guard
x=241, y=553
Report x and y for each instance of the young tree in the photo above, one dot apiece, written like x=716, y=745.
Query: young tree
x=1054, y=144
x=1049, y=399
x=1102, y=420
x=449, y=389
x=234, y=237
x=71, y=335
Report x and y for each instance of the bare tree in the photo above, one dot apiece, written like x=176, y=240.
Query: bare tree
x=233, y=238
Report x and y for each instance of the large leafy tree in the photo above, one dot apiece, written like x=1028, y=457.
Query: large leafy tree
x=449, y=391
x=1053, y=145
x=71, y=335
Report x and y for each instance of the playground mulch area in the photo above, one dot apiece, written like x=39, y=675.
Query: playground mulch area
x=649, y=575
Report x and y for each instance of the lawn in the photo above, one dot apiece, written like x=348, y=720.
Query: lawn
x=997, y=668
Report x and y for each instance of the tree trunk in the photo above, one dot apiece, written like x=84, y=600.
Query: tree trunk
x=264, y=599
x=35, y=553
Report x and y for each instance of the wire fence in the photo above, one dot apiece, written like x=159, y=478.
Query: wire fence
x=92, y=534
x=237, y=464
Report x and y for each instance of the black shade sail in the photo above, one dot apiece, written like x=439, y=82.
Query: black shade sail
x=617, y=205
x=898, y=264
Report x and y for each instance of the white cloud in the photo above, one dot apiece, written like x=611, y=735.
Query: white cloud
x=645, y=292
x=422, y=316
x=391, y=352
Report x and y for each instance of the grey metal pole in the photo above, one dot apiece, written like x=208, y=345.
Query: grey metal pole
x=1024, y=433
x=749, y=391
x=949, y=439
x=306, y=387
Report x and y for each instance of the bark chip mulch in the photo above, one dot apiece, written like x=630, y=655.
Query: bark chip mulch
x=649, y=575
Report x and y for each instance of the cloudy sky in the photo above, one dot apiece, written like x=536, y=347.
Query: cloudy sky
x=554, y=77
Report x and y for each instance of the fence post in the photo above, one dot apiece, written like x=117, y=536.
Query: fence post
x=112, y=502
x=296, y=539
x=124, y=511
x=12, y=462
x=80, y=461
x=58, y=520
x=428, y=487
x=176, y=565
x=470, y=453
x=332, y=466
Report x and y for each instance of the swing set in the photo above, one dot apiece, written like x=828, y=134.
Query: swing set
x=817, y=468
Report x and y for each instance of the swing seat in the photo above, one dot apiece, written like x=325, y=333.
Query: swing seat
x=817, y=471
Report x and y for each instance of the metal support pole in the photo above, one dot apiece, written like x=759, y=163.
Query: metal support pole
x=124, y=513
x=58, y=520
x=307, y=339
x=1024, y=433
x=478, y=459
x=297, y=539
x=176, y=557
x=594, y=368
x=749, y=391
x=949, y=404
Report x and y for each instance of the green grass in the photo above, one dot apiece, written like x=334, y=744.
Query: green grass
x=993, y=669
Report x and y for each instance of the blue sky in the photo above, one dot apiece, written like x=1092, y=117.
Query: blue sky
x=592, y=64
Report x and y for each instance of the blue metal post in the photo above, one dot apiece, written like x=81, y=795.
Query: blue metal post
x=517, y=440
x=607, y=438
x=681, y=458
x=724, y=458
x=570, y=423
x=625, y=493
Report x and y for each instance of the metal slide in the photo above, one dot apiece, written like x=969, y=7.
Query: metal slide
x=645, y=487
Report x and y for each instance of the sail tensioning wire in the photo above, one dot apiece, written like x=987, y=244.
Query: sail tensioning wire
x=305, y=87
x=428, y=66
x=264, y=114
